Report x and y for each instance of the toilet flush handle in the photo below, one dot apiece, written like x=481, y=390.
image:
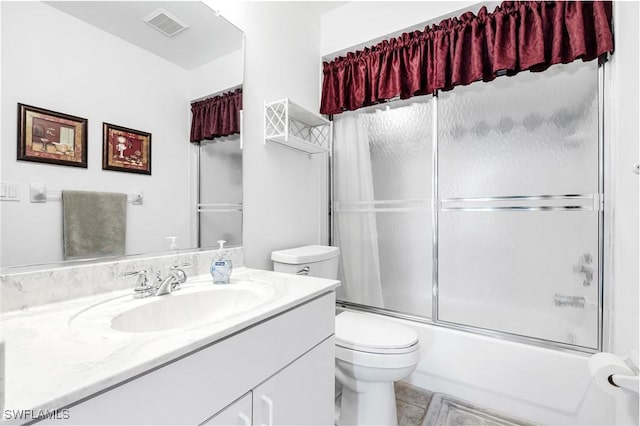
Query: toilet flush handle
x=304, y=271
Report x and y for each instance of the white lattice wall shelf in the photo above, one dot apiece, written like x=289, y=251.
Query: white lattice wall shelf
x=291, y=125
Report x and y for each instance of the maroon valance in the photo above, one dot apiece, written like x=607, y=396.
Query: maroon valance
x=517, y=36
x=216, y=117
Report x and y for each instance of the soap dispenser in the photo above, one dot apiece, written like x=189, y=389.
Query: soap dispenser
x=221, y=268
x=172, y=242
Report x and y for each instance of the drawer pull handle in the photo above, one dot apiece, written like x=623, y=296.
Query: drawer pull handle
x=246, y=421
x=269, y=403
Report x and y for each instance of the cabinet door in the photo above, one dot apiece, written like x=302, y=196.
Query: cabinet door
x=301, y=393
x=238, y=413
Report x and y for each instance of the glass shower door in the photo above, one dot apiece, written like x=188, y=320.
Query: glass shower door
x=382, y=206
x=519, y=205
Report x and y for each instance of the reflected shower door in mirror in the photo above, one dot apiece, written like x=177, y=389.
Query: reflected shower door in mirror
x=115, y=68
x=220, y=194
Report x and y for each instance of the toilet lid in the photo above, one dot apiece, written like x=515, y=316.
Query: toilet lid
x=371, y=334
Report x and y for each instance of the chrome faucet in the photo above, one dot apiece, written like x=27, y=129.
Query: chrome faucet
x=159, y=286
x=142, y=287
x=176, y=277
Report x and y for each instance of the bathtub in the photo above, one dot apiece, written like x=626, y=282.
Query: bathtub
x=540, y=385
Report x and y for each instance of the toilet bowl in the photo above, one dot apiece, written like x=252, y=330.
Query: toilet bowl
x=371, y=353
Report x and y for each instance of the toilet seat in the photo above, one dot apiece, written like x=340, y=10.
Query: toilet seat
x=367, y=333
x=378, y=360
x=379, y=351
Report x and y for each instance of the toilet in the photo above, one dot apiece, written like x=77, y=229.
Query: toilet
x=371, y=352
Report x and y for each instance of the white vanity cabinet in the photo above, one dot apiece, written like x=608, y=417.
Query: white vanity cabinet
x=297, y=394
x=278, y=371
x=238, y=413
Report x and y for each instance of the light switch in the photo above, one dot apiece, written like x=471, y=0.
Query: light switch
x=9, y=192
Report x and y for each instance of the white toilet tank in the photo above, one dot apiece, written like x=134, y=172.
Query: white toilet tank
x=315, y=261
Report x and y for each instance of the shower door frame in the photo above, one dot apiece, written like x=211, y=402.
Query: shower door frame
x=599, y=206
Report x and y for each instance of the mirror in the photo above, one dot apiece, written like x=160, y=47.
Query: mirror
x=107, y=62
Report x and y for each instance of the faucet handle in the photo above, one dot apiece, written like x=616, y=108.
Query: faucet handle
x=585, y=259
x=132, y=273
x=179, y=274
x=142, y=287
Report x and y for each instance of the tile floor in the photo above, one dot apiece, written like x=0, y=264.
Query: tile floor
x=411, y=403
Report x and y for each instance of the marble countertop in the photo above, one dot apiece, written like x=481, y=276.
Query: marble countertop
x=62, y=352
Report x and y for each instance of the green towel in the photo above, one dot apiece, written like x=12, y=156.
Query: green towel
x=94, y=223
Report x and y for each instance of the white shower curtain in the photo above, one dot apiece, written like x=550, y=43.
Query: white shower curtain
x=355, y=232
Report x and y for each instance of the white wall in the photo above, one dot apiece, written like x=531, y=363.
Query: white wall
x=216, y=76
x=284, y=198
x=545, y=386
x=370, y=22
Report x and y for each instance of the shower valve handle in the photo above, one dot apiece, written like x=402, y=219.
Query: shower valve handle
x=583, y=268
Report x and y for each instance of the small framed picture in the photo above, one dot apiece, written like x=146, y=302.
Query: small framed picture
x=51, y=137
x=125, y=150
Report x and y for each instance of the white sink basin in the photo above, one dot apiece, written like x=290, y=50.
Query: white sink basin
x=195, y=305
x=181, y=310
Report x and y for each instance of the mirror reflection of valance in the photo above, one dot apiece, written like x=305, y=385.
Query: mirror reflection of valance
x=517, y=36
x=216, y=117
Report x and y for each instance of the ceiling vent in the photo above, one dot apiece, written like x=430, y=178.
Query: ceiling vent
x=165, y=22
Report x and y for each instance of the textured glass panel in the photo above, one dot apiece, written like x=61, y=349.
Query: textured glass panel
x=382, y=218
x=404, y=249
x=533, y=133
x=221, y=188
x=404, y=241
x=220, y=226
x=518, y=272
x=400, y=142
x=221, y=171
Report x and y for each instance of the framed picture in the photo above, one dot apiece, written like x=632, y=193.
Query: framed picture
x=51, y=137
x=125, y=150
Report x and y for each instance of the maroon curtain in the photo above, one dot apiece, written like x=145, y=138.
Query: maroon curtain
x=216, y=117
x=517, y=36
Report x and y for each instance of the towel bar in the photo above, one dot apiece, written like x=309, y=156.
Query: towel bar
x=38, y=193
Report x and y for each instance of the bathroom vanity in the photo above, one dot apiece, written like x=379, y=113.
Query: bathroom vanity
x=267, y=359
